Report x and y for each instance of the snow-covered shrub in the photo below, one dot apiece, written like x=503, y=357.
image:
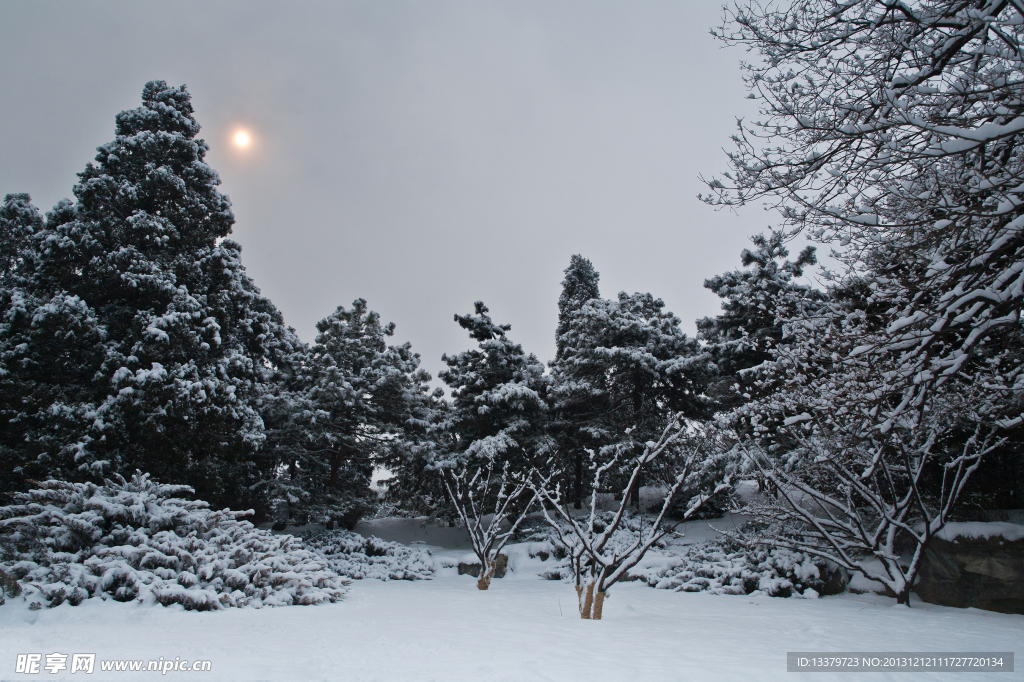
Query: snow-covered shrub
x=386, y=509
x=354, y=556
x=139, y=539
x=8, y=586
x=542, y=537
x=723, y=569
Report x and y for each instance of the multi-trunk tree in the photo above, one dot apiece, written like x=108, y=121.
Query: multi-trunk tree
x=493, y=435
x=602, y=546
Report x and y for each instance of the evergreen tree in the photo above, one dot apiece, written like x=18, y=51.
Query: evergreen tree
x=347, y=404
x=626, y=369
x=486, y=441
x=139, y=342
x=498, y=407
x=578, y=287
x=755, y=302
x=43, y=340
x=19, y=223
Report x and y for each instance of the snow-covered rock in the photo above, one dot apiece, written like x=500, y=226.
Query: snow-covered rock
x=978, y=565
x=981, y=531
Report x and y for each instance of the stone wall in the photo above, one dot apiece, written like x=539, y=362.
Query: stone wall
x=501, y=565
x=968, y=566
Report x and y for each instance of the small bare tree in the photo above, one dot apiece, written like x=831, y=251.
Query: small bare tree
x=599, y=553
x=492, y=503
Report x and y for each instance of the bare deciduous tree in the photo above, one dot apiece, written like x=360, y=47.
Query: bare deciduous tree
x=598, y=552
x=492, y=503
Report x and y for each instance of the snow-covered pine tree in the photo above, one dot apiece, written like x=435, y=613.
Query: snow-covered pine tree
x=625, y=370
x=755, y=302
x=19, y=223
x=140, y=341
x=579, y=286
x=34, y=379
x=349, y=403
x=498, y=395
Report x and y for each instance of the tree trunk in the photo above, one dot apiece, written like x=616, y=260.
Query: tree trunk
x=903, y=596
x=588, y=601
x=486, y=573
x=634, y=492
x=335, y=465
x=598, y=605
x=578, y=488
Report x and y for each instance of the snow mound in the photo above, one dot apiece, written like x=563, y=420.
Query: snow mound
x=139, y=540
x=981, y=531
x=358, y=557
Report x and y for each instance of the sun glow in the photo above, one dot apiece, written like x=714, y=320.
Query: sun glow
x=242, y=139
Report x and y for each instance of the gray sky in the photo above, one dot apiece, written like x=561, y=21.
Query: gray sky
x=422, y=155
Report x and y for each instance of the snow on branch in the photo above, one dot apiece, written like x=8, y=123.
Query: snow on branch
x=491, y=502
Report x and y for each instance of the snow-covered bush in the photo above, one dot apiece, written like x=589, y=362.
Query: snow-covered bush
x=142, y=540
x=543, y=540
x=354, y=556
x=720, y=569
x=8, y=586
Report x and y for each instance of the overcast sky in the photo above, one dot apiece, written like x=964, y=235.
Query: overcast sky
x=422, y=155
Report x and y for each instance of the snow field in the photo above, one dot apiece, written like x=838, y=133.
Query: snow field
x=521, y=629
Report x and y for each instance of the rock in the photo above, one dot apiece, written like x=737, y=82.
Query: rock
x=835, y=581
x=501, y=565
x=980, y=572
x=279, y=525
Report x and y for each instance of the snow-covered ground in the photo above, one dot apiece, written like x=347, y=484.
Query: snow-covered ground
x=521, y=629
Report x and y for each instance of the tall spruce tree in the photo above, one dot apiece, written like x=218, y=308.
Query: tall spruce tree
x=579, y=286
x=136, y=340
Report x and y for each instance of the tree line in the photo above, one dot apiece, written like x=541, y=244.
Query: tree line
x=133, y=339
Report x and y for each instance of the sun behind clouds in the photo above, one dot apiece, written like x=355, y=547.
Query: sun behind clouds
x=242, y=139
